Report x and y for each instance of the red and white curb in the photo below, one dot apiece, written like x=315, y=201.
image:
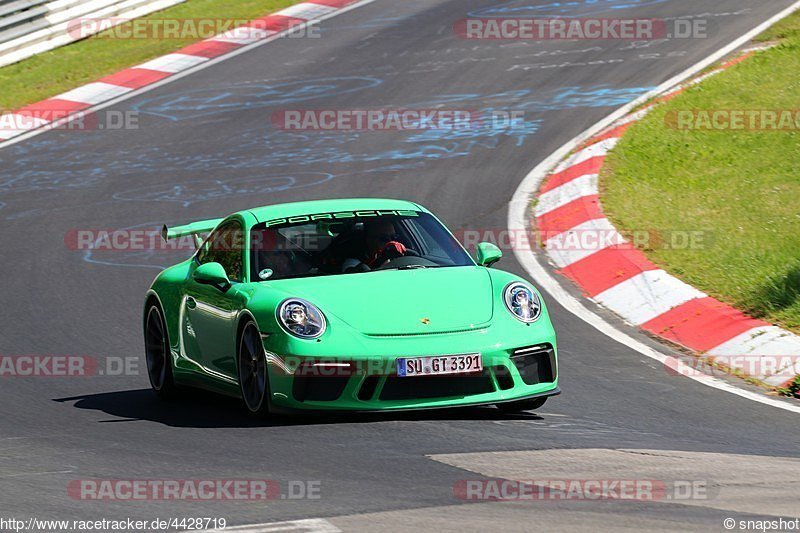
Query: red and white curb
x=619, y=277
x=57, y=110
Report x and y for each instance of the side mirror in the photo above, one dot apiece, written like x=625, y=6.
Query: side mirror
x=212, y=274
x=488, y=254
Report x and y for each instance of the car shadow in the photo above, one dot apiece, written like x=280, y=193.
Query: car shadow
x=201, y=409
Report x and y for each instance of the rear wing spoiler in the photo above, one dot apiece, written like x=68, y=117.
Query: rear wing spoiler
x=194, y=229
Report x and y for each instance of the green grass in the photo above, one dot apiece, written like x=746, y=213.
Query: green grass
x=741, y=188
x=71, y=66
x=793, y=389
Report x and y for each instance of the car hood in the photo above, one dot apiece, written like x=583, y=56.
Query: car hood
x=402, y=302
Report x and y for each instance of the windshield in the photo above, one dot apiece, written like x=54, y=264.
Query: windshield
x=347, y=243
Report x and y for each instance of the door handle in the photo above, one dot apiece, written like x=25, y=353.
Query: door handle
x=191, y=303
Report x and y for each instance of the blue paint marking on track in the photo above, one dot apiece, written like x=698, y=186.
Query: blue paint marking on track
x=213, y=101
x=583, y=8
x=377, y=22
x=33, y=180
x=193, y=191
x=149, y=257
x=264, y=149
x=572, y=97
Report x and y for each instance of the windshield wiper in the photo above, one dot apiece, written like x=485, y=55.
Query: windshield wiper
x=413, y=267
x=298, y=276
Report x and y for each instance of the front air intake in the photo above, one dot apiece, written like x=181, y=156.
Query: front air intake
x=536, y=364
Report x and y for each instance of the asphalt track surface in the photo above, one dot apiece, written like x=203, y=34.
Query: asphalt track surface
x=205, y=147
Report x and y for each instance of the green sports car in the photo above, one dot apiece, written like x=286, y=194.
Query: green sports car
x=363, y=304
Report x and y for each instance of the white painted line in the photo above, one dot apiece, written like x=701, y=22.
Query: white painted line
x=307, y=11
x=518, y=222
x=633, y=117
x=595, y=150
x=28, y=121
x=563, y=194
x=647, y=295
x=310, y=525
x=704, y=77
x=94, y=93
x=583, y=240
x=173, y=63
x=183, y=74
x=13, y=124
x=8, y=133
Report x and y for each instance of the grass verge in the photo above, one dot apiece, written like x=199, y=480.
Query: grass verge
x=65, y=68
x=741, y=189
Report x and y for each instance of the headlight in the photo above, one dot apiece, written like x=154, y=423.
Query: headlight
x=301, y=318
x=522, y=302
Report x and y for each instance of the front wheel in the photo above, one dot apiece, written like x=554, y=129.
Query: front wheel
x=253, y=371
x=157, y=354
x=522, y=405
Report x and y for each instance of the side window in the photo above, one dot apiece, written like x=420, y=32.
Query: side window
x=226, y=247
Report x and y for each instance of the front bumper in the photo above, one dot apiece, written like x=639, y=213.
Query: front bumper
x=512, y=371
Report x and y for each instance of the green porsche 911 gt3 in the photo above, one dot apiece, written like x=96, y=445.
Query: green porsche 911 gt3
x=346, y=305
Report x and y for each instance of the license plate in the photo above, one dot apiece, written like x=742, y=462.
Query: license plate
x=439, y=365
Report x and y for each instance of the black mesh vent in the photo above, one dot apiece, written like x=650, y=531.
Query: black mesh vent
x=503, y=376
x=318, y=388
x=536, y=364
x=368, y=388
x=397, y=388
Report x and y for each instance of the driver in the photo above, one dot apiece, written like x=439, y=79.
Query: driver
x=381, y=245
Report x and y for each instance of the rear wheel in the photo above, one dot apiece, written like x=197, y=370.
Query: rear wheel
x=253, y=371
x=523, y=405
x=157, y=354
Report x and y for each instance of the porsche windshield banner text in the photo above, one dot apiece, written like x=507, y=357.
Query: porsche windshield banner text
x=342, y=215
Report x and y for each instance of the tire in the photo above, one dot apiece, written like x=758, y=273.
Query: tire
x=252, y=368
x=523, y=405
x=157, y=354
